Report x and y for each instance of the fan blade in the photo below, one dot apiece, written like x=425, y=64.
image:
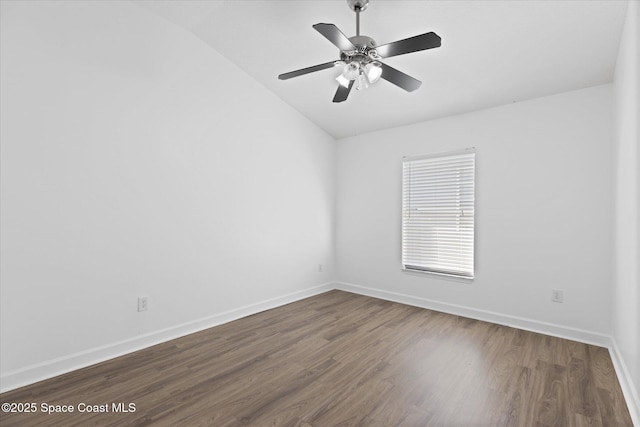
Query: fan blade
x=343, y=92
x=399, y=78
x=412, y=44
x=335, y=36
x=307, y=70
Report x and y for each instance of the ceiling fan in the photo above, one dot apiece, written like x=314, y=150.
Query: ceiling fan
x=360, y=57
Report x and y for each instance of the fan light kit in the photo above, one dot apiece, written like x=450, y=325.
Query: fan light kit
x=360, y=57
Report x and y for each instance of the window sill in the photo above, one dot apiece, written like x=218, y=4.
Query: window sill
x=452, y=277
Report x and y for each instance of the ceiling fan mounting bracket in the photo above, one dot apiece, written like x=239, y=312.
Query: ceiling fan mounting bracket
x=358, y=5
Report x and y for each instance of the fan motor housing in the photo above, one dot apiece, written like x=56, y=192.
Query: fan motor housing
x=363, y=42
x=365, y=47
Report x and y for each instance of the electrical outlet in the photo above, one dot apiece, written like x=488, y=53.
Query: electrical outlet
x=143, y=303
x=319, y=268
x=556, y=295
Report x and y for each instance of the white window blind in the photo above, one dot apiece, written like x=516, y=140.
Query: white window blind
x=438, y=198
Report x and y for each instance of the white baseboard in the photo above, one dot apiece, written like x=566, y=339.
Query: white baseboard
x=574, y=334
x=630, y=392
x=52, y=368
x=588, y=337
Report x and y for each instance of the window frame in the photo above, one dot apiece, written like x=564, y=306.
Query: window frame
x=465, y=191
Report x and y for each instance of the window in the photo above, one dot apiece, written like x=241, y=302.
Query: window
x=438, y=198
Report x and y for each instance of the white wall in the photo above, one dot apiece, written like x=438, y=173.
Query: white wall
x=626, y=303
x=138, y=161
x=543, y=211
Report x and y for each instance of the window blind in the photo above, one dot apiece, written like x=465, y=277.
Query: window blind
x=438, y=201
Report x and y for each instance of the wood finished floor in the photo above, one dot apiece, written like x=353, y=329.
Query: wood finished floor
x=340, y=359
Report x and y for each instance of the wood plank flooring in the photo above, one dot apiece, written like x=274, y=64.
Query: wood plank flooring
x=340, y=359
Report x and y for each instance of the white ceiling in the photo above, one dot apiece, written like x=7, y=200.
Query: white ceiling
x=493, y=52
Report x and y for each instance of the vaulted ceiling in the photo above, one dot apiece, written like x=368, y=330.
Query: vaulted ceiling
x=493, y=52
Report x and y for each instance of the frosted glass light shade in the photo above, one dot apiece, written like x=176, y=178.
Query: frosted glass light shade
x=361, y=82
x=351, y=70
x=343, y=80
x=362, y=75
x=373, y=71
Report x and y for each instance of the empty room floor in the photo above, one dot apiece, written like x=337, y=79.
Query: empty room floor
x=341, y=359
